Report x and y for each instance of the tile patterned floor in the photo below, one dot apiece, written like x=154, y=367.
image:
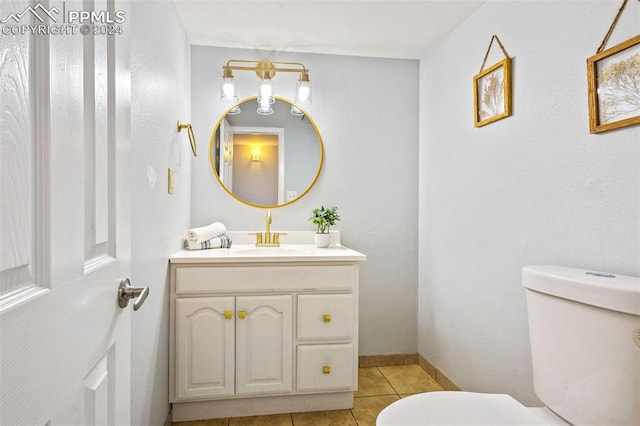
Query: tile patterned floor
x=378, y=387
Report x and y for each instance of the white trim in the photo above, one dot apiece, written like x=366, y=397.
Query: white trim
x=42, y=160
x=98, y=262
x=22, y=295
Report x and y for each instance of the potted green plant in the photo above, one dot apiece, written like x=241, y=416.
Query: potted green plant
x=324, y=219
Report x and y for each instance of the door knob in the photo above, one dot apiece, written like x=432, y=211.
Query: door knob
x=126, y=292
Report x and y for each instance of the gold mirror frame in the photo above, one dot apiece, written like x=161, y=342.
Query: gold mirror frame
x=212, y=149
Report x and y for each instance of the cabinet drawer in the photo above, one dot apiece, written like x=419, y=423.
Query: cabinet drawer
x=325, y=367
x=325, y=316
x=207, y=279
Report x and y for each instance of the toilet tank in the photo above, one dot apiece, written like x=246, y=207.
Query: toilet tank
x=585, y=343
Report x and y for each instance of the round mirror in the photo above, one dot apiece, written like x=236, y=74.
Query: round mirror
x=266, y=160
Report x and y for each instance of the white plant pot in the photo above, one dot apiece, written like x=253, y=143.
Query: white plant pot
x=323, y=240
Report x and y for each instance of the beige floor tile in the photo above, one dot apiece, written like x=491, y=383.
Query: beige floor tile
x=212, y=422
x=404, y=395
x=366, y=409
x=371, y=382
x=409, y=379
x=271, y=420
x=324, y=418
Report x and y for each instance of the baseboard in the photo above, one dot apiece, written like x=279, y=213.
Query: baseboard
x=439, y=376
x=365, y=361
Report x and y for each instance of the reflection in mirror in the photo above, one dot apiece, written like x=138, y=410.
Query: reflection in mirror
x=266, y=160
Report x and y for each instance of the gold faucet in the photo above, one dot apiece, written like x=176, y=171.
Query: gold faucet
x=268, y=238
x=267, y=232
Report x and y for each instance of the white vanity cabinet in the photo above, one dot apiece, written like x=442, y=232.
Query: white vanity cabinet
x=261, y=335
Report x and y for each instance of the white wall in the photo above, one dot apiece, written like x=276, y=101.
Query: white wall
x=160, y=88
x=366, y=110
x=534, y=188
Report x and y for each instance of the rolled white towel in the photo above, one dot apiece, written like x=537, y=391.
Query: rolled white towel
x=205, y=233
x=222, y=241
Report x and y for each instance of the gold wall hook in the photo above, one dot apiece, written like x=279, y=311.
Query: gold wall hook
x=192, y=139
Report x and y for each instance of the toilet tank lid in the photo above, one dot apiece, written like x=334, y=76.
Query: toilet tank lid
x=605, y=290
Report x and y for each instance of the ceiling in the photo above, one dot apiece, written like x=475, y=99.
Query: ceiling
x=385, y=29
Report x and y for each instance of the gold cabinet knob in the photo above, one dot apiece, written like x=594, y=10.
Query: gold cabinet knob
x=242, y=314
x=326, y=369
x=326, y=318
x=228, y=314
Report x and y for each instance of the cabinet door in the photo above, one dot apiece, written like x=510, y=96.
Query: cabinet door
x=264, y=352
x=204, y=347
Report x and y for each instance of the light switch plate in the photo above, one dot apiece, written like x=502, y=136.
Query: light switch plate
x=170, y=179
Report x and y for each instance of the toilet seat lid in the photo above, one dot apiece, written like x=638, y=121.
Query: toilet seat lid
x=457, y=408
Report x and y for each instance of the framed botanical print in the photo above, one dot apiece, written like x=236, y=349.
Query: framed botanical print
x=613, y=77
x=492, y=93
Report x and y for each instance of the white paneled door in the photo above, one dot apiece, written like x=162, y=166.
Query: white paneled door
x=65, y=350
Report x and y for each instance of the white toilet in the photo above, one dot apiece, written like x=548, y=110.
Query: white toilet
x=585, y=345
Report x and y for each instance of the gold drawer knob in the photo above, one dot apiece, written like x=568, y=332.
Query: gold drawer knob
x=242, y=314
x=228, y=314
x=326, y=369
x=326, y=318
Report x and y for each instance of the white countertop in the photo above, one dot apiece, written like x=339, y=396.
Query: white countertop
x=249, y=253
x=295, y=246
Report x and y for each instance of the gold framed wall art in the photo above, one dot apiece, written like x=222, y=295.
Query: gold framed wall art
x=492, y=89
x=613, y=77
x=492, y=93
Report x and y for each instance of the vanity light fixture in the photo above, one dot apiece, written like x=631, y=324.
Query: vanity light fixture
x=256, y=156
x=296, y=111
x=265, y=71
x=303, y=89
x=303, y=94
x=228, y=86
